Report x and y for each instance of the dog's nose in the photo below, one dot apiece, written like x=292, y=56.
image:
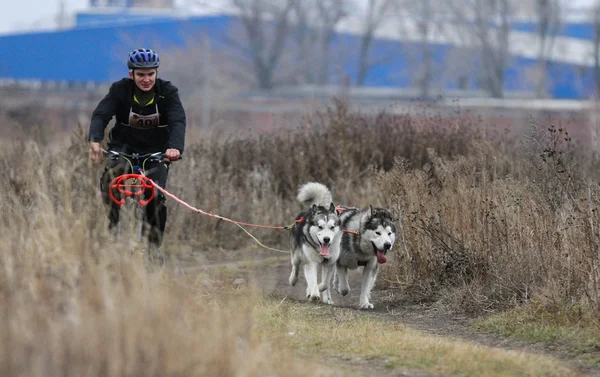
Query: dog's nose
x=326, y=240
x=387, y=246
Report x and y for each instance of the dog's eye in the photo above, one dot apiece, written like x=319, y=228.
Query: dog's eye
x=321, y=227
x=378, y=233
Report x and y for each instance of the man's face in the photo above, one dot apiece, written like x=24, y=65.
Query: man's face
x=144, y=78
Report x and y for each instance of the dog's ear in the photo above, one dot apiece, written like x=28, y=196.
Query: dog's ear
x=375, y=212
x=370, y=211
x=331, y=207
x=313, y=208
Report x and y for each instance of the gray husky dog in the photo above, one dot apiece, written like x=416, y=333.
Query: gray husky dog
x=368, y=235
x=310, y=240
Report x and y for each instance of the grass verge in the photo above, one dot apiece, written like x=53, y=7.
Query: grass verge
x=345, y=333
x=571, y=330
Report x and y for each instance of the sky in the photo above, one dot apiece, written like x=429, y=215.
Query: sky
x=20, y=16
x=17, y=16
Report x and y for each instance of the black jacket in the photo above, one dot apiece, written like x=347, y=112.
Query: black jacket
x=119, y=101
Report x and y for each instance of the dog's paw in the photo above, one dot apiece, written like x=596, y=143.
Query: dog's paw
x=365, y=305
x=343, y=291
x=328, y=301
x=313, y=297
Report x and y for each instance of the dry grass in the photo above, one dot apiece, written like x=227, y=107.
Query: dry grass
x=484, y=230
x=345, y=333
x=487, y=223
x=572, y=329
x=254, y=177
x=73, y=303
x=493, y=230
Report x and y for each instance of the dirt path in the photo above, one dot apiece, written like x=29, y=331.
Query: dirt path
x=271, y=270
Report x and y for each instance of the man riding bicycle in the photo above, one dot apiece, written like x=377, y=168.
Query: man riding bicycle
x=149, y=117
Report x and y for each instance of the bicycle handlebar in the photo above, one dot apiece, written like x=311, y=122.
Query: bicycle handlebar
x=155, y=156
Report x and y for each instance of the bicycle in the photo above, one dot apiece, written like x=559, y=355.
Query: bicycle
x=131, y=190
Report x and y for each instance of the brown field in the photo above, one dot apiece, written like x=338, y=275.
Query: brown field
x=493, y=217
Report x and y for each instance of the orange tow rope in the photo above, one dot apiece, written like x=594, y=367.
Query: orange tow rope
x=238, y=223
x=213, y=215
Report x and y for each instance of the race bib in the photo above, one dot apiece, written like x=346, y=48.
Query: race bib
x=144, y=121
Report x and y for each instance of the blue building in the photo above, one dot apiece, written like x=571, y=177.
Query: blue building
x=94, y=50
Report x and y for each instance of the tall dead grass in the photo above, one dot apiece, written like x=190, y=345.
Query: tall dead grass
x=486, y=225
x=255, y=178
x=72, y=302
x=494, y=230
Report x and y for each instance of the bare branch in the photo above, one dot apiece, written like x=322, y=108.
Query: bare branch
x=488, y=24
x=267, y=26
x=331, y=12
x=596, y=20
x=548, y=17
x=374, y=15
x=316, y=22
x=420, y=15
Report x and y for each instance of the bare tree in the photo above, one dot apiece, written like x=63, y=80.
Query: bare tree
x=374, y=15
x=420, y=17
x=268, y=26
x=425, y=74
x=548, y=17
x=316, y=22
x=313, y=27
x=488, y=23
x=331, y=12
x=596, y=21
x=306, y=36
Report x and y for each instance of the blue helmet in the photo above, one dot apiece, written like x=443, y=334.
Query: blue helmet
x=143, y=58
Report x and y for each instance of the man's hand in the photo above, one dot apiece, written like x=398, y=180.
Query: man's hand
x=95, y=151
x=172, y=154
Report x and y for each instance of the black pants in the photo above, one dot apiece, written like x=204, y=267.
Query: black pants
x=156, y=210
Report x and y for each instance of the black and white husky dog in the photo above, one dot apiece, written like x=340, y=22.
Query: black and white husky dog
x=311, y=238
x=368, y=235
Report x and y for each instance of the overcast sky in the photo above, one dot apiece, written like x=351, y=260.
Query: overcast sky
x=34, y=14
x=18, y=16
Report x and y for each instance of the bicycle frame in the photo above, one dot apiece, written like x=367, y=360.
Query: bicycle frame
x=124, y=185
x=131, y=188
x=134, y=184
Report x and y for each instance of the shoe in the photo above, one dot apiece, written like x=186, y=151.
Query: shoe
x=155, y=255
x=115, y=231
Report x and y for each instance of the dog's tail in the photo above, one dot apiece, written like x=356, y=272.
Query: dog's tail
x=314, y=193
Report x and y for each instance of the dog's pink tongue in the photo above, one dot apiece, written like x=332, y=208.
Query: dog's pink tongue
x=380, y=257
x=325, y=250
